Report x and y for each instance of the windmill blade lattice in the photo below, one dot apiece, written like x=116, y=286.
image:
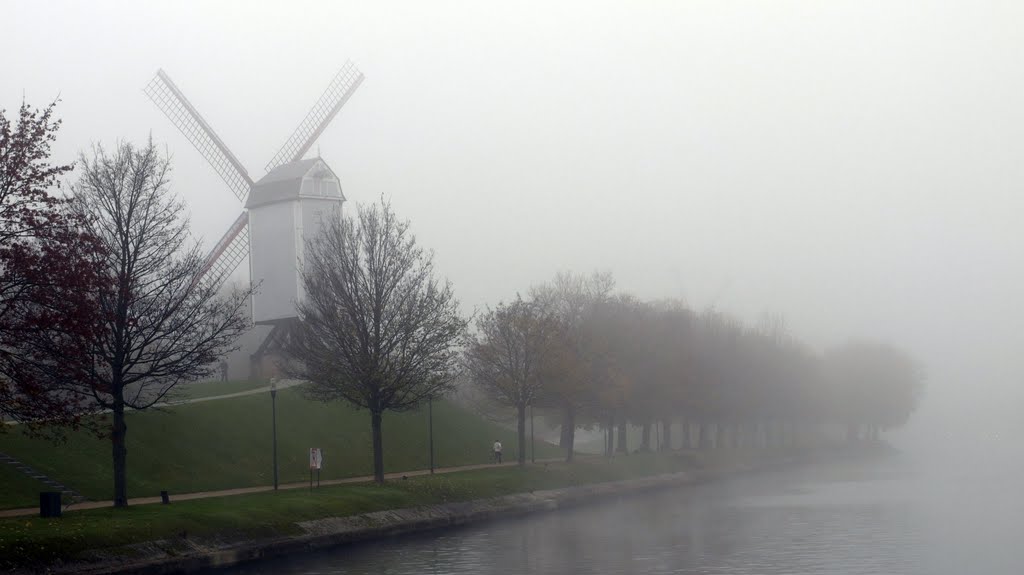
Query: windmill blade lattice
x=230, y=251
x=334, y=97
x=177, y=108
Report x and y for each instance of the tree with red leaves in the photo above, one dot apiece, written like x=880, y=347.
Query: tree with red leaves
x=48, y=280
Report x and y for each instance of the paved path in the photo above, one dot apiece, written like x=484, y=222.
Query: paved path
x=265, y=488
x=283, y=384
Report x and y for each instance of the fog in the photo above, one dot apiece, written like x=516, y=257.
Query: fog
x=851, y=166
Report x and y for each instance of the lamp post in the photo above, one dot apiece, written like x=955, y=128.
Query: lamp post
x=430, y=432
x=273, y=419
x=533, y=444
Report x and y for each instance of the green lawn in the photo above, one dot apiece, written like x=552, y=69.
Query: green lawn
x=33, y=540
x=18, y=489
x=223, y=444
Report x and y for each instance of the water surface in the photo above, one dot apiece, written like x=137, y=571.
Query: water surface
x=897, y=515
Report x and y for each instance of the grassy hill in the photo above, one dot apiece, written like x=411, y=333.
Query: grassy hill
x=222, y=444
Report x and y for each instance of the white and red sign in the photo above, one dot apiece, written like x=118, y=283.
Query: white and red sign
x=316, y=458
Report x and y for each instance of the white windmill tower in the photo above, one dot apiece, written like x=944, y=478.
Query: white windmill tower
x=286, y=205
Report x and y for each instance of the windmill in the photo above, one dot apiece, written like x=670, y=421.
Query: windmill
x=288, y=203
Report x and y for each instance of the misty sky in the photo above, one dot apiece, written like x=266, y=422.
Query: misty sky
x=853, y=166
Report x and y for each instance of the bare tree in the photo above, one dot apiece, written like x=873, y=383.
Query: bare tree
x=163, y=322
x=874, y=385
x=509, y=354
x=570, y=297
x=376, y=328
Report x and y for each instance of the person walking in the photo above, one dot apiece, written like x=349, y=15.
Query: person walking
x=497, y=451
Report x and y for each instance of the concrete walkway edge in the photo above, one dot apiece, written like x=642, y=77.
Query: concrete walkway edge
x=186, y=556
x=263, y=488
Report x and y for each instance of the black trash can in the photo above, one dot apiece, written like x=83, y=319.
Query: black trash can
x=49, y=504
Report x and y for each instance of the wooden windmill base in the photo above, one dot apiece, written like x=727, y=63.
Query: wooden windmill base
x=268, y=359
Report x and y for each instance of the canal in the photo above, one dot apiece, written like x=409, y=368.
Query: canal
x=897, y=515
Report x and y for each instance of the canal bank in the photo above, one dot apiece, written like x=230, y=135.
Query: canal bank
x=187, y=552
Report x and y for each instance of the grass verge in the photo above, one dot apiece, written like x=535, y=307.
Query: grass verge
x=39, y=542
x=18, y=489
x=226, y=444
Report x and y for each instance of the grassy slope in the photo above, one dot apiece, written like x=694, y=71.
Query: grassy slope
x=33, y=540
x=18, y=489
x=223, y=444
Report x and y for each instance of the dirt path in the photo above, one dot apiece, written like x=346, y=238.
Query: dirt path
x=263, y=488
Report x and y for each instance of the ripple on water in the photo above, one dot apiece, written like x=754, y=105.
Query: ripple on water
x=887, y=518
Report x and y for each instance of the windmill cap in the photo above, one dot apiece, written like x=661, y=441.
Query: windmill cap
x=295, y=180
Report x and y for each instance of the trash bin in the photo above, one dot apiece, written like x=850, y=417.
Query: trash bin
x=49, y=504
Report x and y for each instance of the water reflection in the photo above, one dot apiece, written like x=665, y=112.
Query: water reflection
x=884, y=518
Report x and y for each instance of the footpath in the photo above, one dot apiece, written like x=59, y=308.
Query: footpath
x=24, y=511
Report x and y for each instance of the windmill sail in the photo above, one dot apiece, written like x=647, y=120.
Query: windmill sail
x=334, y=97
x=179, y=110
x=230, y=251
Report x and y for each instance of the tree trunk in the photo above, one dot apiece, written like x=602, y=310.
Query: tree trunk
x=852, y=432
x=569, y=429
x=567, y=423
x=645, y=437
x=720, y=436
x=609, y=427
x=703, y=436
x=118, y=436
x=623, y=446
x=684, y=431
x=521, y=434
x=378, y=448
x=666, y=430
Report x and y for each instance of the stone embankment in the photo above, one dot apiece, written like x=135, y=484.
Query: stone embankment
x=184, y=555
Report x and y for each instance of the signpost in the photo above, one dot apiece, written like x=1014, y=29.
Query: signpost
x=316, y=461
x=273, y=419
x=430, y=425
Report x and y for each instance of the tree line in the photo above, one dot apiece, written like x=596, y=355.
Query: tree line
x=105, y=304
x=611, y=360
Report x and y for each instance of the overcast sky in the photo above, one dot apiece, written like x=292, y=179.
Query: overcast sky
x=853, y=166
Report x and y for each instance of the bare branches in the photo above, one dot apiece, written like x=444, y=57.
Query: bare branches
x=510, y=352
x=376, y=328
x=163, y=325
x=163, y=322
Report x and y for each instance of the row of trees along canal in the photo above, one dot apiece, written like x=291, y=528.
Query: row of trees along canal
x=613, y=361
x=104, y=303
